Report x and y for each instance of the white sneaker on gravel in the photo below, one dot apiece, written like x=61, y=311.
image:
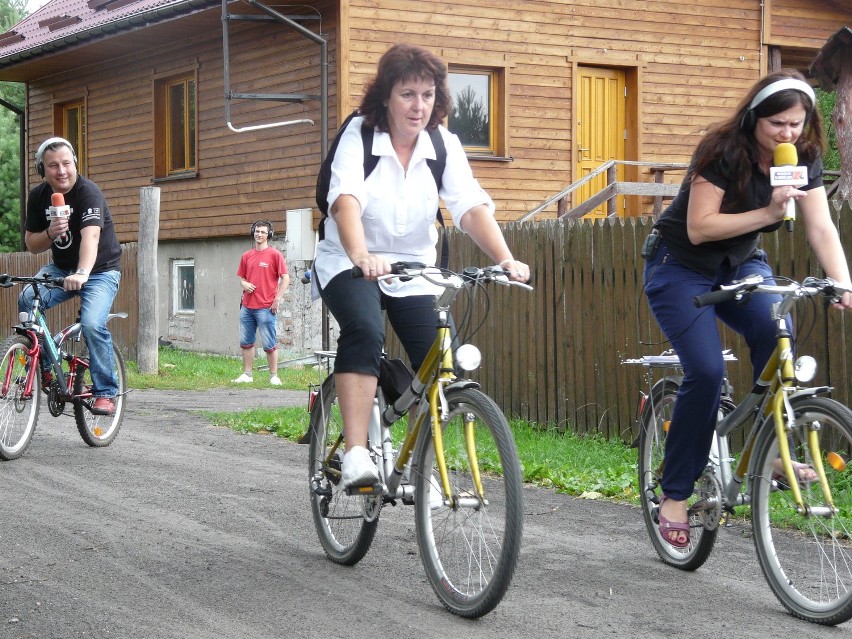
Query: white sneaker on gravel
x=358, y=468
x=243, y=379
x=275, y=380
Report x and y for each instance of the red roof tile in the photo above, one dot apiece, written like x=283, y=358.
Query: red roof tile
x=59, y=19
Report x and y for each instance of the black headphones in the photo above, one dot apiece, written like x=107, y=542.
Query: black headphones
x=749, y=120
x=265, y=223
x=39, y=165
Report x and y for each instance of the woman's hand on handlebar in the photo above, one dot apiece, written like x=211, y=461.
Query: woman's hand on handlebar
x=517, y=270
x=372, y=266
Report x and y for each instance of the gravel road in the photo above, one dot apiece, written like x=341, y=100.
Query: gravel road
x=185, y=530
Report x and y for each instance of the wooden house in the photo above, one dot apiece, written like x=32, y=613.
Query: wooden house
x=185, y=95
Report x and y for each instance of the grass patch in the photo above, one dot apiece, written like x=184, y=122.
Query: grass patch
x=184, y=370
x=566, y=462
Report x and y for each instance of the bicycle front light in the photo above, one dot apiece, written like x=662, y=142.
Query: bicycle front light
x=468, y=357
x=806, y=368
x=23, y=317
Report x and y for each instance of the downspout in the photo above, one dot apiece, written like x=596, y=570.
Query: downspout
x=22, y=156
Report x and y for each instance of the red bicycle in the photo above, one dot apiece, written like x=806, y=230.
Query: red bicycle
x=34, y=361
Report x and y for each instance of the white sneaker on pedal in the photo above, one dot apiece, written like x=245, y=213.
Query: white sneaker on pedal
x=358, y=468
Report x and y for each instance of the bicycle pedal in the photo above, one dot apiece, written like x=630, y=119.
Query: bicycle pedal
x=354, y=491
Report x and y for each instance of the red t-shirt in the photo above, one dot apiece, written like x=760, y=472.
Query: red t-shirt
x=263, y=269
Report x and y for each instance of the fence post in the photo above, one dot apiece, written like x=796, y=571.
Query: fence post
x=146, y=266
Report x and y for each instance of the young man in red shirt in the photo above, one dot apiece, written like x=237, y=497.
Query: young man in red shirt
x=263, y=276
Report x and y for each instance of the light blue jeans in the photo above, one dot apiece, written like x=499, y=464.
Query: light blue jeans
x=96, y=298
x=253, y=320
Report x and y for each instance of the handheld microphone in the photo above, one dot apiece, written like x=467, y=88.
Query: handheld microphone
x=58, y=208
x=786, y=173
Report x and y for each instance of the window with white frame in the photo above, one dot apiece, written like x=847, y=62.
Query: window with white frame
x=183, y=286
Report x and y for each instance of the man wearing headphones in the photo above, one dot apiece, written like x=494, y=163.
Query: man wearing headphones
x=78, y=229
x=263, y=276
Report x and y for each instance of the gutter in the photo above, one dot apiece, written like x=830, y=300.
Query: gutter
x=155, y=15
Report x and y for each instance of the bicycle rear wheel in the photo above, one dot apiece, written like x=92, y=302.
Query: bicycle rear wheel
x=807, y=558
x=343, y=530
x=654, y=426
x=469, y=548
x=97, y=430
x=18, y=410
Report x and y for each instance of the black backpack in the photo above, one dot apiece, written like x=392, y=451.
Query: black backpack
x=437, y=167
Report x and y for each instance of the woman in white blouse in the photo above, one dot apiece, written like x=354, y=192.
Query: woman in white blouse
x=389, y=217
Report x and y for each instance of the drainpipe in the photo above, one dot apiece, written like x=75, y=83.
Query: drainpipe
x=22, y=157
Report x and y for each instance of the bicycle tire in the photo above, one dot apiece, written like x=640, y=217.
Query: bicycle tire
x=807, y=560
x=97, y=430
x=344, y=533
x=469, y=551
x=653, y=429
x=18, y=413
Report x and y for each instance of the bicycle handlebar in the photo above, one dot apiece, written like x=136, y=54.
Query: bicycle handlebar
x=7, y=281
x=448, y=279
x=810, y=287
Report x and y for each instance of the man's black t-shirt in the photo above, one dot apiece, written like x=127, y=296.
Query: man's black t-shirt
x=709, y=257
x=88, y=208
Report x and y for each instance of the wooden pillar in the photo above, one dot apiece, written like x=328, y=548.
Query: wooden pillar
x=149, y=290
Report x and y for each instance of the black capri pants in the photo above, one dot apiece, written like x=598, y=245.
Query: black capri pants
x=357, y=306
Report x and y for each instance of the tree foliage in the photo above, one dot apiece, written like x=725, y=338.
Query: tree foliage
x=469, y=119
x=831, y=157
x=11, y=12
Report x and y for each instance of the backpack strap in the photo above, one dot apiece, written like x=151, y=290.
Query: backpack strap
x=437, y=167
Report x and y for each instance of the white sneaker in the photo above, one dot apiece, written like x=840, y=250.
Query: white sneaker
x=243, y=379
x=275, y=380
x=358, y=468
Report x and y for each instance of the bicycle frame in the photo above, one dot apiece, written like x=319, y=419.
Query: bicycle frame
x=770, y=397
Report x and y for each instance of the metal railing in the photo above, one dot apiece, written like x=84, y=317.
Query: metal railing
x=657, y=189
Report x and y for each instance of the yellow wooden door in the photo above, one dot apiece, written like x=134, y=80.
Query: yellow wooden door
x=600, y=130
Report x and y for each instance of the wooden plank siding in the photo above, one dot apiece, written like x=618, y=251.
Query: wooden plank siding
x=687, y=66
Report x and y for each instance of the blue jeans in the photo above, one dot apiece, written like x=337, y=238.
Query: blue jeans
x=257, y=319
x=694, y=334
x=96, y=298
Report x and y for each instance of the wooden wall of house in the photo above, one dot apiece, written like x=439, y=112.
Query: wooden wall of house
x=689, y=63
x=242, y=176
x=805, y=24
x=693, y=62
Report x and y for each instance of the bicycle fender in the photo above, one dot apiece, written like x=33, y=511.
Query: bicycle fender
x=810, y=392
x=463, y=383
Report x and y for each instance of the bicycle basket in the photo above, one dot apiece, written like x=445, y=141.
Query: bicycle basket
x=394, y=378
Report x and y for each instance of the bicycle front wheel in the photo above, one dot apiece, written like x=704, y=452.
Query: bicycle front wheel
x=98, y=430
x=343, y=530
x=654, y=428
x=807, y=557
x=18, y=409
x=469, y=542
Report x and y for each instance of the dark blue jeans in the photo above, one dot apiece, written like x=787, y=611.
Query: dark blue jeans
x=694, y=335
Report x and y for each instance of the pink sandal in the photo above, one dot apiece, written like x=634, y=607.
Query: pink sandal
x=675, y=533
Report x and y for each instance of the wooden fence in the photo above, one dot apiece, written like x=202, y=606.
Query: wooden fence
x=553, y=356
x=123, y=331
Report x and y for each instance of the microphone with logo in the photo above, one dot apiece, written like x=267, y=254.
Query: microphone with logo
x=58, y=208
x=786, y=173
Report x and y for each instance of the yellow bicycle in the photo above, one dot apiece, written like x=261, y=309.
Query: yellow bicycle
x=802, y=529
x=457, y=464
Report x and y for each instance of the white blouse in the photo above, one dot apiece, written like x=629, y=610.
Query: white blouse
x=397, y=208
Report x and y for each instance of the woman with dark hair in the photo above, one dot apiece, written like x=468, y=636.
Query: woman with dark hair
x=389, y=217
x=709, y=236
